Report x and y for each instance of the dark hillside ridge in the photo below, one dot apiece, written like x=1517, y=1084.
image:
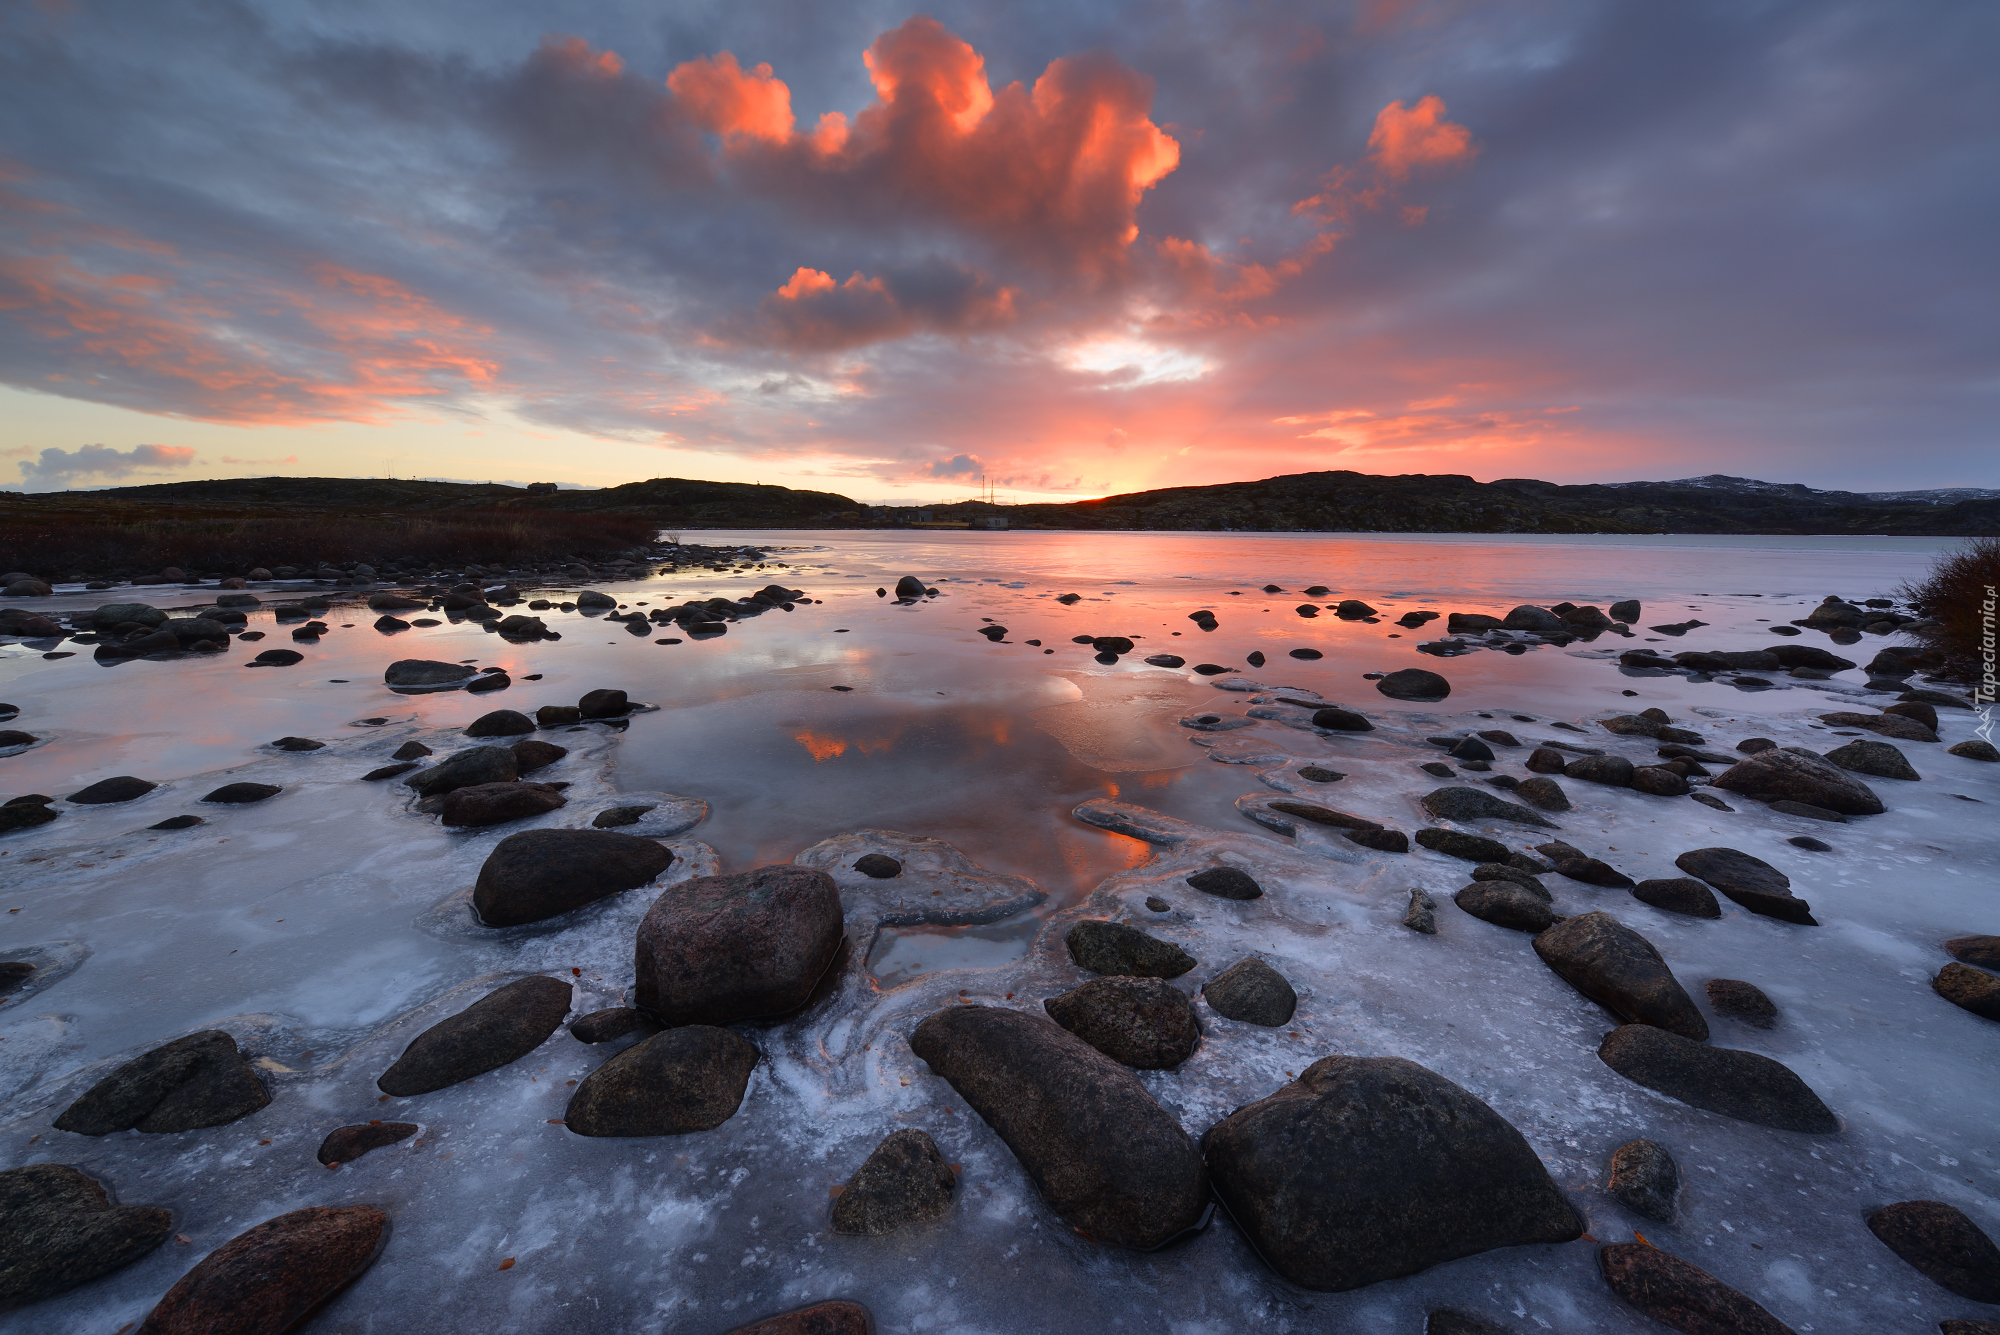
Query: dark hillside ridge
x=1335, y=501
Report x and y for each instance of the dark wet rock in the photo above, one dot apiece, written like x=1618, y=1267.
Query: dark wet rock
x=393, y=602
x=1969, y=989
x=1421, y=913
x=1678, y=894
x=1353, y=609
x=193, y=1082
x=59, y=1229
x=12, y=737
x=112, y=615
x=297, y=744
x=1469, y=804
x=904, y=1182
x=273, y=1277
x=1114, y=948
x=424, y=672
x=1591, y=871
x=1546, y=760
x=1460, y=623
x=1631, y=725
x=910, y=587
x=24, y=815
x=724, y=948
x=539, y=874
x=1791, y=774
x=1506, y=904
x=1538, y=620
x=177, y=823
x=613, y=817
x=520, y=627
x=531, y=755
x=1379, y=839
x=1878, y=760
x=603, y=704
x=1210, y=669
x=1974, y=749
x=1306, y=610
x=1680, y=1295
x=1887, y=725
x=878, y=866
x=1744, y=1085
x=390, y=771
x=1370, y=1168
x=482, y=804
x=1336, y=719
x=410, y=750
x=464, y=769
x=686, y=1079
x=1808, y=811
x=1981, y=950
x=241, y=794
x=1109, y=644
x=1809, y=843
x=1166, y=660
x=124, y=788
x=1157, y=905
x=1470, y=748
x=616, y=1022
x=500, y=723
x=1751, y=746
x=1750, y=881
x=1101, y=1152
x=558, y=716
x=1742, y=1001
x=1969, y=1327
x=1252, y=992
x=595, y=598
x=1437, y=769
x=1501, y=871
x=1458, y=844
x=345, y=1144
x=1644, y=1179
x=1612, y=771
x=836, y=1317
x=1626, y=611
x=1621, y=971
x=13, y=973
x=1414, y=684
x=1320, y=774
x=1306, y=653
x=1923, y=713
x=503, y=1026
x=1226, y=883
x=490, y=681
x=1543, y=792
x=1146, y=1023
x=1659, y=781
x=1943, y=1244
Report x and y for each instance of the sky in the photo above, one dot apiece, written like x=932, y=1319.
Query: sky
x=1068, y=248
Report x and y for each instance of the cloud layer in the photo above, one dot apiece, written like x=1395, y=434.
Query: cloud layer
x=1107, y=248
x=56, y=469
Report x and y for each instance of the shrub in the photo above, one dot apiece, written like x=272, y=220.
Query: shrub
x=1954, y=598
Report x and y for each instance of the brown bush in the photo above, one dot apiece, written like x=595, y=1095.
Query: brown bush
x=1957, y=595
x=57, y=539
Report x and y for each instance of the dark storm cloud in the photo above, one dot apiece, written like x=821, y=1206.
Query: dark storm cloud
x=1195, y=242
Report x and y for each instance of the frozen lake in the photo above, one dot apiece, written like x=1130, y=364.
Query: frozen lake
x=326, y=926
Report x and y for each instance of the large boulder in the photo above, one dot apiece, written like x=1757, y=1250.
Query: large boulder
x=1469, y=804
x=1620, y=970
x=1678, y=894
x=538, y=874
x=1414, y=684
x=682, y=1080
x=1878, y=760
x=504, y=1026
x=1793, y=774
x=1682, y=1296
x=1537, y=620
x=189, y=1084
x=910, y=588
x=273, y=1277
x=1969, y=989
x=1612, y=771
x=1942, y=1242
x=1506, y=904
x=1114, y=948
x=59, y=1229
x=500, y=723
x=1102, y=1153
x=118, y=614
x=424, y=674
x=1371, y=1168
x=483, y=804
x=1744, y=1085
x=465, y=769
x=1251, y=992
x=123, y=788
x=1791, y=656
x=905, y=1181
x=1146, y=1023
x=724, y=948
x=1750, y=881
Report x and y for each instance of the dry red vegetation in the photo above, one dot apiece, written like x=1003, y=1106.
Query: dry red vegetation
x=1959, y=595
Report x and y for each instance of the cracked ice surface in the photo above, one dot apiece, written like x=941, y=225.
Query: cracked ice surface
x=326, y=927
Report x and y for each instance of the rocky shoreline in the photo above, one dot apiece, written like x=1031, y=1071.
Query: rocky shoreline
x=1183, y=1038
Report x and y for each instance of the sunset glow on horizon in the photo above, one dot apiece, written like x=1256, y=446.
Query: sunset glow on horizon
x=1097, y=253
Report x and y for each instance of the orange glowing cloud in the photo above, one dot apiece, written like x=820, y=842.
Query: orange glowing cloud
x=1419, y=136
x=1053, y=174
x=719, y=95
x=812, y=313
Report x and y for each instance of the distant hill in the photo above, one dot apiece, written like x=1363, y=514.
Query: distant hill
x=1336, y=501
